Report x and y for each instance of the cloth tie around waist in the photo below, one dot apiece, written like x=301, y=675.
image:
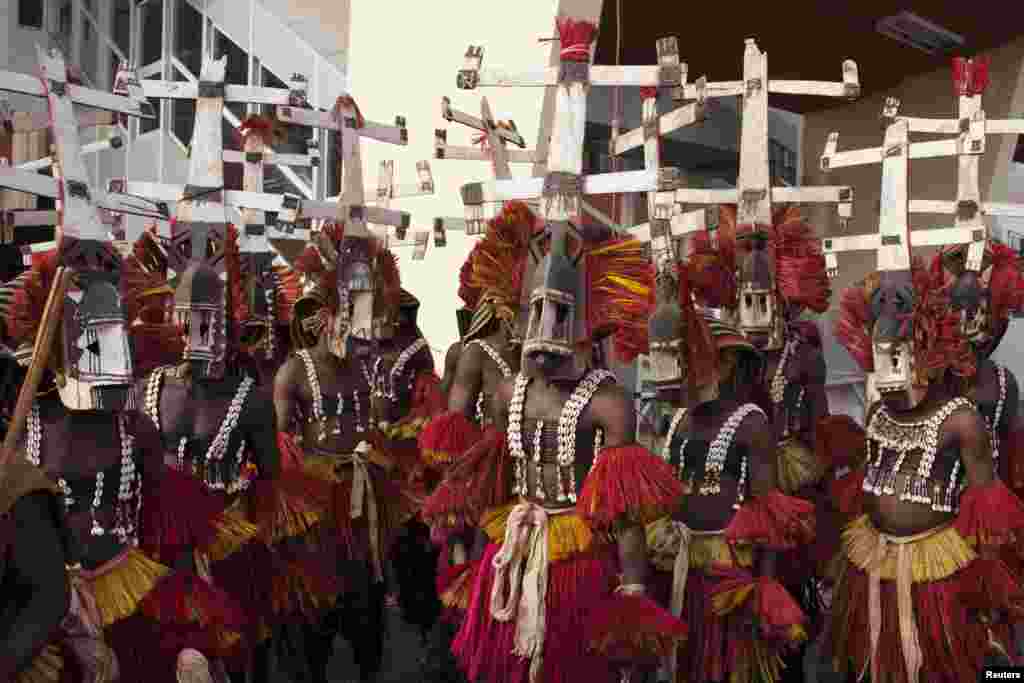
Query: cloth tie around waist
x=909, y=642
x=362, y=489
x=677, y=535
x=82, y=630
x=521, y=566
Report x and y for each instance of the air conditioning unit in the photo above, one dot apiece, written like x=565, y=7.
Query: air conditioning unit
x=919, y=33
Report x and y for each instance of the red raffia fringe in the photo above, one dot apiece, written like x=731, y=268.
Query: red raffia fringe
x=427, y=399
x=303, y=588
x=1013, y=451
x=291, y=454
x=990, y=515
x=778, y=614
x=773, y=520
x=840, y=441
x=626, y=628
x=852, y=324
x=178, y=514
x=447, y=437
x=987, y=584
x=185, y=598
x=288, y=506
x=477, y=482
x=846, y=493
x=630, y=482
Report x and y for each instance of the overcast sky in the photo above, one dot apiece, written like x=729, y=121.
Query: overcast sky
x=403, y=60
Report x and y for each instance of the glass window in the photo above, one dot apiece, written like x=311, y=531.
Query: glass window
x=30, y=13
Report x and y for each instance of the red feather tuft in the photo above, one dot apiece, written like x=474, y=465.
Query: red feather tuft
x=1006, y=283
x=853, y=326
x=620, y=295
x=699, y=347
x=712, y=268
x=30, y=300
x=801, y=274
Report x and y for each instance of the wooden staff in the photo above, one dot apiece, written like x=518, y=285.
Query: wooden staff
x=40, y=356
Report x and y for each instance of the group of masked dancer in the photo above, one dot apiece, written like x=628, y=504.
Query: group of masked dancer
x=761, y=538
x=228, y=463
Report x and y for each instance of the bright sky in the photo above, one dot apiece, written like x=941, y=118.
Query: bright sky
x=402, y=62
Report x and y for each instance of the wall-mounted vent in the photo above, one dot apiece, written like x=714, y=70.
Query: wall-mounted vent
x=918, y=33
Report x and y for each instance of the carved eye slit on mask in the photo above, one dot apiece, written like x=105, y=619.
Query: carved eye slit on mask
x=759, y=309
x=200, y=314
x=96, y=352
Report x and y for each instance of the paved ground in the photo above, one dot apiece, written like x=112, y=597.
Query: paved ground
x=402, y=654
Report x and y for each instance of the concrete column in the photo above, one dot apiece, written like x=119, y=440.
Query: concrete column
x=77, y=32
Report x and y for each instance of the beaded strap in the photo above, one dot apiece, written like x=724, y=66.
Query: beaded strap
x=993, y=427
x=404, y=358
x=568, y=421
x=506, y=371
x=314, y=383
x=151, y=403
x=903, y=438
x=129, y=485
x=714, y=464
x=666, y=449
x=779, y=381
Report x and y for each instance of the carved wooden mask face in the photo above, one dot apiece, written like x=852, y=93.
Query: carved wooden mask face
x=97, y=358
x=556, y=313
x=759, y=310
x=354, y=316
x=892, y=340
x=201, y=314
x=666, y=332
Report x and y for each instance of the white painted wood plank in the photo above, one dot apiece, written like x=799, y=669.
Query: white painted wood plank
x=449, y=114
x=465, y=153
x=206, y=151
x=395, y=135
x=499, y=155
x=931, y=149
x=754, y=181
x=79, y=215
x=601, y=75
x=24, y=122
x=85, y=97
x=868, y=242
x=668, y=123
x=91, y=148
x=1004, y=127
x=406, y=190
x=29, y=217
x=1003, y=209
x=701, y=196
x=692, y=91
x=565, y=153
x=811, y=194
x=521, y=189
x=940, y=237
x=892, y=222
x=819, y=88
x=270, y=157
x=933, y=126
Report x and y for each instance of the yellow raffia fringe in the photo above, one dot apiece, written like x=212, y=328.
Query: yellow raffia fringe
x=322, y=467
x=406, y=429
x=437, y=458
x=797, y=466
x=726, y=602
x=47, y=667
x=568, y=534
x=705, y=550
x=233, y=532
x=290, y=520
x=121, y=588
x=457, y=594
x=932, y=558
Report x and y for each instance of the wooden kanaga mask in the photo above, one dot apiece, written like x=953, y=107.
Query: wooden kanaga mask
x=97, y=357
x=666, y=332
x=200, y=297
x=759, y=310
x=352, y=315
x=891, y=307
x=557, y=321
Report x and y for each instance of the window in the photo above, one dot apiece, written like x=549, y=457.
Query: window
x=30, y=14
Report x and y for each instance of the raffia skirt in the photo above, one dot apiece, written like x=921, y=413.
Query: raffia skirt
x=949, y=587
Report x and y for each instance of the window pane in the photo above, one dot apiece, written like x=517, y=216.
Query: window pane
x=30, y=13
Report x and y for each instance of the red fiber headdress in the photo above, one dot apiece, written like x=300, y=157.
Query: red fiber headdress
x=699, y=347
x=712, y=263
x=271, y=131
x=620, y=284
x=937, y=345
x=496, y=266
x=801, y=276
